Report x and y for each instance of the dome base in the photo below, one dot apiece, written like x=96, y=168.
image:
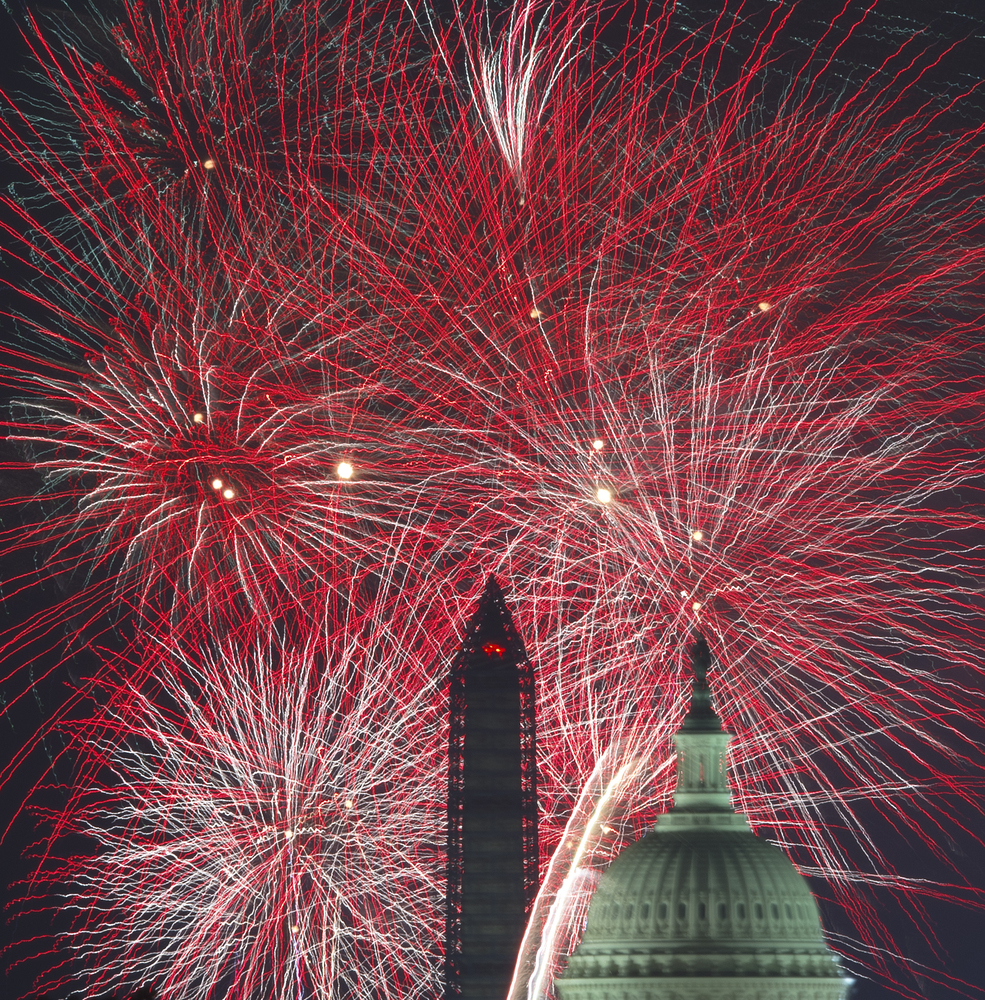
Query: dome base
x=703, y=988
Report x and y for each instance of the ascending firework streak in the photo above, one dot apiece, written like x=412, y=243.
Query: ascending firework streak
x=562, y=904
x=661, y=337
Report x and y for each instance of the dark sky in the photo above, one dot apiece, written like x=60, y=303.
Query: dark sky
x=960, y=932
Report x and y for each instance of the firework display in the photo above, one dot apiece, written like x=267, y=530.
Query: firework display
x=327, y=314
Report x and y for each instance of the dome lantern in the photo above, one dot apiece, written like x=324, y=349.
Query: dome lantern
x=700, y=908
x=702, y=771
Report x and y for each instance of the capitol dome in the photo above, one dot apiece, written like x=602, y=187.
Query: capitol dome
x=701, y=908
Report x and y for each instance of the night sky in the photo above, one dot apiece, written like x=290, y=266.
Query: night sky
x=955, y=937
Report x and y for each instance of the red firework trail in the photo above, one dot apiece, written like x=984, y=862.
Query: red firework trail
x=665, y=337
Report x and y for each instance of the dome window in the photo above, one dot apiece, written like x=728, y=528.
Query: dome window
x=682, y=910
x=774, y=911
x=629, y=912
x=615, y=911
x=740, y=911
x=722, y=911
x=702, y=912
x=787, y=911
x=645, y=911
x=759, y=911
x=663, y=911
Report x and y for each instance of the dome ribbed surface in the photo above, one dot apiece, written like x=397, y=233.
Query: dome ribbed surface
x=700, y=902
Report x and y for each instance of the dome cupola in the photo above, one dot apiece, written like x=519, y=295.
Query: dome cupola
x=700, y=908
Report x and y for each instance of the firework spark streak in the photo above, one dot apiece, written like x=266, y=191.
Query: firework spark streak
x=342, y=311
